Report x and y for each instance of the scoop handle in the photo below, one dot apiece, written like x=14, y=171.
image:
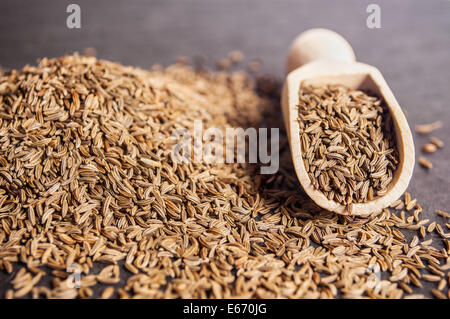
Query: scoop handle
x=318, y=44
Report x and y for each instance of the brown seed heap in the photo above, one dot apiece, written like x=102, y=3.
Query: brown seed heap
x=87, y=183
x=347, y=143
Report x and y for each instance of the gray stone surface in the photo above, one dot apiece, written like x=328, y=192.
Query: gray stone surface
x=411, y=49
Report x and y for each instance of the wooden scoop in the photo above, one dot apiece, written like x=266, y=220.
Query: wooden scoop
x=320, y=57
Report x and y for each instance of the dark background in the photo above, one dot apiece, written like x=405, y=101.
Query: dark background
x=412, y=49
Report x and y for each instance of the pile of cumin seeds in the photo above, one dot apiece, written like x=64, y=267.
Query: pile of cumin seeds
x=190, y=230
x=348, y=143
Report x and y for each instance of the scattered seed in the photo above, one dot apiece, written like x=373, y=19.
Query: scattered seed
x=236, y=56
x=425, y=163
x=431, y=277
x=429, y=148
x=223, y=64
x=438, y=294
x=436, y=141
x=428, y=128
x=442, y=213
x=107, y=293
x=441, y=285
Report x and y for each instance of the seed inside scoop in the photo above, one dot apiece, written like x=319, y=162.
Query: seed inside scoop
x=348, y=143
